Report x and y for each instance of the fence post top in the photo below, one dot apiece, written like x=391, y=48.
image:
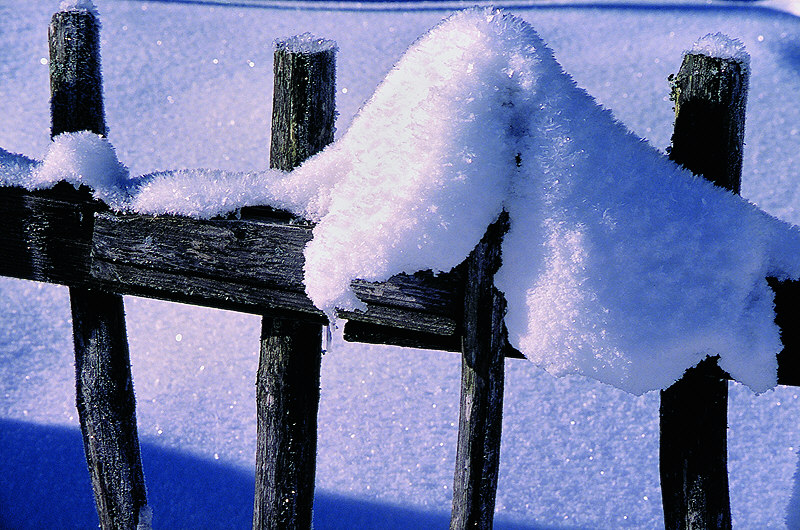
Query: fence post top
x=77, y=5
x=305, y=44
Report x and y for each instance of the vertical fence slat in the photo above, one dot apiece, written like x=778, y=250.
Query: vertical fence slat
x=104, y=389
x=708, y=139
x=484, y=343
x=289, y=365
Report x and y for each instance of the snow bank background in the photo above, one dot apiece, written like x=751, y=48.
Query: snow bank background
x=576, y=454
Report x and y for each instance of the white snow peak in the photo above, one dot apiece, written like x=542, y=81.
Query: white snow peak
x=619, y=264
x=78, y=5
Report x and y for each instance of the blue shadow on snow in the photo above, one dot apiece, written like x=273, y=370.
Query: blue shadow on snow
x=44, y=484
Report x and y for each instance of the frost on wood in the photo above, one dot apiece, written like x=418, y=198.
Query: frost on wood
x=78, y=5
x=305, y=43
x=722, y=46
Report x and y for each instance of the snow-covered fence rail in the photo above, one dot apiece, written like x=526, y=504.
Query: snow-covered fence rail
x=254, y=263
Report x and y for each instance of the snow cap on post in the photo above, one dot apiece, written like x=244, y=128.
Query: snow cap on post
x=721, y=46
x=306, y=43
x=78, y=5
x=710, y=94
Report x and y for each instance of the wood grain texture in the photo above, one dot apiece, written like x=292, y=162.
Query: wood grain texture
x=693, y=456
x=76, y=86
x=484, y=341
x=287, y=397
x=304, y=104
x=106, y=407
x=287, y=383
x=46, y=235
x=104, y=387
x=710, y=99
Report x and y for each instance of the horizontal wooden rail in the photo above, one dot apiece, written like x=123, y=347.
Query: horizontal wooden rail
x=253, y=264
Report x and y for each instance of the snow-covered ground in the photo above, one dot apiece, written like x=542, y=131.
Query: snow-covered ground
x=188, y=84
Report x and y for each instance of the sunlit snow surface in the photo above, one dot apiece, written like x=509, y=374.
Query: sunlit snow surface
x=576, y=454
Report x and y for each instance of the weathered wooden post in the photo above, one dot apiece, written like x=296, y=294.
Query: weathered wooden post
x=484, y=342
x=104, y=389
x=287, y=384
x=710, y=96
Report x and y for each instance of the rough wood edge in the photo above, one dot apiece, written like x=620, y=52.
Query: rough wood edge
x=484, y=343
x=104, y=388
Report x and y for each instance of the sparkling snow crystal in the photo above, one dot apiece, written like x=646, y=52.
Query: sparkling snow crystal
x=81, y=158
x=15, y=170
x=723, y=47
x=78, y=5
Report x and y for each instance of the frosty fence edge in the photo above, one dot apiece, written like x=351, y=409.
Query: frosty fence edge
x=254, y=263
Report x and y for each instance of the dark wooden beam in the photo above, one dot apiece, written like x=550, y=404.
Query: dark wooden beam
x=45, y=236
x=303, y=114
x=484, y=343
x=710, y=95
x=104, y=388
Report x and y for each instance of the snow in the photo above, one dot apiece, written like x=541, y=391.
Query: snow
x=145, y=518
x=722, y=46
x=306, y=43
x=78, y=5
x=16, y=169
x=201, y=193
x=619, y=265
x=575, y=453
x=84, y=158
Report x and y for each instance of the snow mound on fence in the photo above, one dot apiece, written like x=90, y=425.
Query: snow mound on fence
x=15, y=169
x=204, y=193
x=84, y=158
x=80, y=158
x=619, y=265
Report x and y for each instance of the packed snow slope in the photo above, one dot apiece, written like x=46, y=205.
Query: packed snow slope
x=189, y=86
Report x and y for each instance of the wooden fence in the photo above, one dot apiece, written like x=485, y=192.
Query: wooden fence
x=254, y=263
